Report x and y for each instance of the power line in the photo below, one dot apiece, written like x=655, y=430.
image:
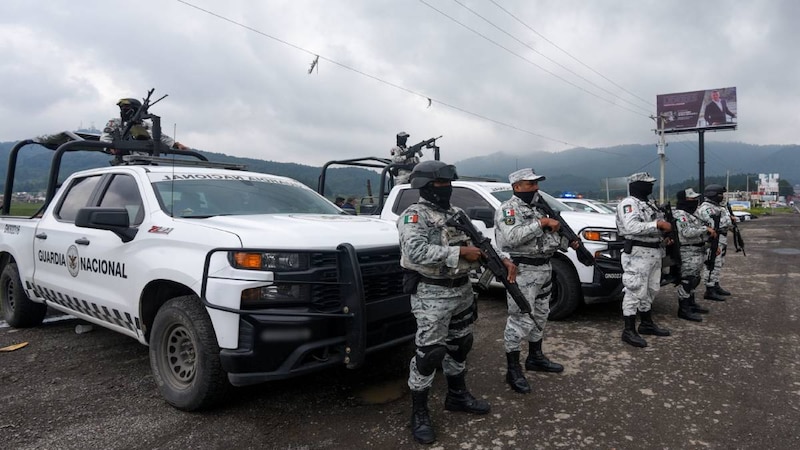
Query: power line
x=378, y=79
x=548, y=58
x=567, y=53
x=528, y=60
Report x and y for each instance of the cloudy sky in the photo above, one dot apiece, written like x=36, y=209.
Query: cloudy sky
x=501, y=75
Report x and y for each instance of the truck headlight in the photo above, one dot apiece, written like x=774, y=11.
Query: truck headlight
x=599, y=235
x=272, y=294
x=269, y=261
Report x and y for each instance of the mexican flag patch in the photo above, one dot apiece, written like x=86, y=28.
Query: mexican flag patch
x=509, y=213
x=410, y=218
x=509, y=216
x=627, y=208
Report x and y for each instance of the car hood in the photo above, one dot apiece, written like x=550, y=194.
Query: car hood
x=580, y=220
x=305, y=231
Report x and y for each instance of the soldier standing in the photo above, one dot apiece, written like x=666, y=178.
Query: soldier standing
x=140, y=130
x=713, y=206
x=640, y=223
x=531, y=238
x=693, y=234
x=438, y=259
x=401, y=156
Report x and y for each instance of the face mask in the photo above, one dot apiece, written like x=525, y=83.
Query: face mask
x=439, y=196
x=687, y=205
x=527, y=197
x=641, y=189
x=127, y=114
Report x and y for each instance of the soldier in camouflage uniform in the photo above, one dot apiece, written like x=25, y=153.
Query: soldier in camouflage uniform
x=399, y=156
x=713, y=206
x=641, y=223
x=531, y=238
x=438, y=259
x=139, y=131
x=693, y=235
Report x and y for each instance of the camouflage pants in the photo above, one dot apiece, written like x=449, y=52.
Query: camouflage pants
x=641, y=278
x=692, y=262
x=443, y=315
x=718, y=264
x=535, y=282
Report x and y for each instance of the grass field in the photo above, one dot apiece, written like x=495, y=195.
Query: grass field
x=25, y=209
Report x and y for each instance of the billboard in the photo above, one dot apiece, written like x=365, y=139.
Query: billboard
x=712, y=109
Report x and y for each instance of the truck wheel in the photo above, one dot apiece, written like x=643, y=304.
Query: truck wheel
x=566, y=294
x=18, y=310
x=184, y=355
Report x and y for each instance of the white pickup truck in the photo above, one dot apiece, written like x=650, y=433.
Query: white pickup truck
x=230, y=277
x=573, y=283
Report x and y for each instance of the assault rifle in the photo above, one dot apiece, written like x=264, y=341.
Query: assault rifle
x=738, y=242
x=584, y=256
x=417, y=148
x=712, y=251
x=490, y=260
x=674, y=249
x=143, y=113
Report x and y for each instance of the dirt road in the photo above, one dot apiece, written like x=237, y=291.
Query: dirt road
x=732, y=381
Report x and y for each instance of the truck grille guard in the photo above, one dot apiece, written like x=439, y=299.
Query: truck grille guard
x=350, y=285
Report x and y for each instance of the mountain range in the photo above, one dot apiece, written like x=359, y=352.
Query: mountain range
x=579, y=170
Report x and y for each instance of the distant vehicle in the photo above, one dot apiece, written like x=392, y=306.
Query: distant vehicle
x=585, y=205
x=742, y=216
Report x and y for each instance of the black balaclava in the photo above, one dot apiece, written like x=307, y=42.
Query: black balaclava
x=126, y=113
x=438, y=195
x=685, y=204
x=641, y=189
x=527, y=197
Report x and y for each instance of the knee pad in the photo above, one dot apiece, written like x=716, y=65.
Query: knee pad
x=429, y=358
x=462, y=347
x=695, y=281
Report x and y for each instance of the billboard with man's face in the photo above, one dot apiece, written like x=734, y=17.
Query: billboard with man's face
x=698, y=110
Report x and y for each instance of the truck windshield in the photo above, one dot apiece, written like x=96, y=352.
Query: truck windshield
x=552, y=201
x=210, y=197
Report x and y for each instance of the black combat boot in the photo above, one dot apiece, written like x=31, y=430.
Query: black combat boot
x=538, y=362
x=630, y=335
x=685, y=310
x=514, y=377
x=647, y=326
x=711, y=294
x=695, y=307
x=421, y=427
x=721, y=291
x=459, y=399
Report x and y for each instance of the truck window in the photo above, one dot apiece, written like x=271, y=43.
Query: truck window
x=462, y=197
x=122, y=192
x=76, y=197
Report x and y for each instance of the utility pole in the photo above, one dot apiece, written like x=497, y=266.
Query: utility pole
x=661, y=155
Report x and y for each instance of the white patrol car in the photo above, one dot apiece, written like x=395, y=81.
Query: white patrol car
x=231, y=277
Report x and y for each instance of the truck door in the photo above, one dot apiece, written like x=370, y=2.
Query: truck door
x=87, y=270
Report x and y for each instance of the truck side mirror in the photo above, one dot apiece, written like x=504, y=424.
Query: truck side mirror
x=482, y=213
x=115, y=220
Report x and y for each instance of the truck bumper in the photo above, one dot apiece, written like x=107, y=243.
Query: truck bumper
x=607, y=280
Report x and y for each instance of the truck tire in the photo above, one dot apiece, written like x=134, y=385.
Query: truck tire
x=184, y=355
x=566, y=294
x=18, y=310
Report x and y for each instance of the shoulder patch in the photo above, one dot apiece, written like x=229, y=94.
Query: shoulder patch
x=509, y=213
x=509, y=216
x=411, y=218
x=627, y=209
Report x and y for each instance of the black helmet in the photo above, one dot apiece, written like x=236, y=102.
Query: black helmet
x=427, y=171
x=402, y=137
x=713, y=190
x=129, y=102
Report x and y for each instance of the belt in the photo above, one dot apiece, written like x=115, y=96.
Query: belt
x=530, y=261
x=644, y=244
x=446, y=282
x=724, y=233
x=702, y=244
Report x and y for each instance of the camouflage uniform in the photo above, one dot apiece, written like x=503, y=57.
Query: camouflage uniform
x=399, y=158
x=142, y=131
x=693, y=234
x=705, y=212
x=636, y=220
x=444, y=314
x=518, y=232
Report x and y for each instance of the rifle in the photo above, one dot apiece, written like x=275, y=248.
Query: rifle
x=674, y=249
x=712, y=251
x=738, y=242
x=584, y=256
x=143, y=113
x=417, y=148
x=490, y=260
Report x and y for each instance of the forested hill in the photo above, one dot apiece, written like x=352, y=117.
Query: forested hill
x=576, y=170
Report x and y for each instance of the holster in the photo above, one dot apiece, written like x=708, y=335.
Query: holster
x=410, y=281
x=627, y=246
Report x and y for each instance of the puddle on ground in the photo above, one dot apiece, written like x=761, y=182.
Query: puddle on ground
x=786, y=251
x=386, y=392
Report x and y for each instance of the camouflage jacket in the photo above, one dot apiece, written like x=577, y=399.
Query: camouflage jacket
x=691, y=229
x=517, y=231
x=636, y=219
